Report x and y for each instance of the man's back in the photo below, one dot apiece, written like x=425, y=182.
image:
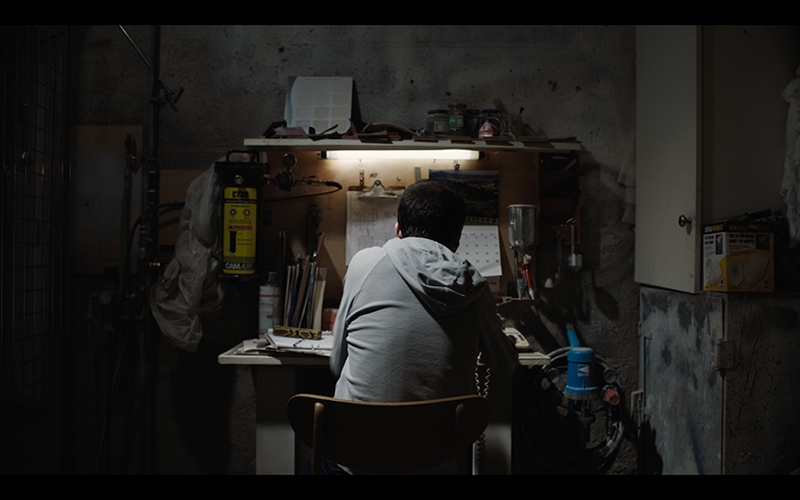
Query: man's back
x=413, y=318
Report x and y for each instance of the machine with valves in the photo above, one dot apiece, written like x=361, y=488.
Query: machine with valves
x=574, y=411
x=240, y=186
x=240, y=192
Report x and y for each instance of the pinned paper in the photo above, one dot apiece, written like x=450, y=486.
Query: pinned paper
x=319, y=102
x=370, y=222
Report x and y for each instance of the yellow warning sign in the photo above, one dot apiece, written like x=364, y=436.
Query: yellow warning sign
x=239, y=230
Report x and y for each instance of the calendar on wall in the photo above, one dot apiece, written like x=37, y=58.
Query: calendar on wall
x=480, y=239
x=481, y=246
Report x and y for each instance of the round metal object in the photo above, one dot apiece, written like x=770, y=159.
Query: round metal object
x=610, y=376
x=289, y=160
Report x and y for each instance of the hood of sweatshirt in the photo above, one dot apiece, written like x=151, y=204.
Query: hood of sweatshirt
x=445, y=282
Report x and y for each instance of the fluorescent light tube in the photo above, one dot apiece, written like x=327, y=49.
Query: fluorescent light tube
x=403, y=154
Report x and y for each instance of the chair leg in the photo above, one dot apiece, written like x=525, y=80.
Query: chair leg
x=316, y=446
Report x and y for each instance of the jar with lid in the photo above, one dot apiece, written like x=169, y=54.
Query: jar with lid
x=437, y=122
x=456, y=122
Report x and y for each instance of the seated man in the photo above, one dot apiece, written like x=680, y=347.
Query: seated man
x=414, y=316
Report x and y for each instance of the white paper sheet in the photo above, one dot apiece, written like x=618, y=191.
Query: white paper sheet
x=370, y=222
x=323, y=344
x=319, y=102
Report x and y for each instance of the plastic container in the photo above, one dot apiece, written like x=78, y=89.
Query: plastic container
x=269, y=305
x=522, y=227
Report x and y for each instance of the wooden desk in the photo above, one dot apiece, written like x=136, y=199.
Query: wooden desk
x=275, y=383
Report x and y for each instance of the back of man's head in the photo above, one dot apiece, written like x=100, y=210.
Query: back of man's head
x=432, y=209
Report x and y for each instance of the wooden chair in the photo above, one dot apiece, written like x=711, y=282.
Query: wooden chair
x=384, y=438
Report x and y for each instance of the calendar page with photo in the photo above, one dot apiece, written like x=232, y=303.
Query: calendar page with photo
x=480, y=240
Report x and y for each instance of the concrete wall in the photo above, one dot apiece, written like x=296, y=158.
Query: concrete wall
x=572, y=81
x=715, y=366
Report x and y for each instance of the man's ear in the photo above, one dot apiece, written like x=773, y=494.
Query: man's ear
x=397, y=231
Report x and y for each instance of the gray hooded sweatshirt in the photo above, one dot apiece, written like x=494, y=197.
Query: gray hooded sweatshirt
x=413, y=319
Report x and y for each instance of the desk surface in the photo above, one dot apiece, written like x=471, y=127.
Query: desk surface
x=230, y=357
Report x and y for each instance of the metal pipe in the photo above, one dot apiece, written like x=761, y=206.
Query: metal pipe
x=169, y=93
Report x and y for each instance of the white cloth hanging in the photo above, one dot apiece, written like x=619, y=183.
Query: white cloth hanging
x=790, y=187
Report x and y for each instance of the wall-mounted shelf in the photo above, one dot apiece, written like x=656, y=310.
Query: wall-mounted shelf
x=308, y=144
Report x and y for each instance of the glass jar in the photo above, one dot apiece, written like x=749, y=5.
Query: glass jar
x=437, y=122
x=456, y=120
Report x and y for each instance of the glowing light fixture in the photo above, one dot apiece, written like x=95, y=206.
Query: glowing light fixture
x=403, y=154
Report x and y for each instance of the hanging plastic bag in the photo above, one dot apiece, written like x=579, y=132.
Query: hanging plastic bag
x=189, y=287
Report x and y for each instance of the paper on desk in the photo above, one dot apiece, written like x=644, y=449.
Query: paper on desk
x=319, y=102
x=370, y=222
x=296, y=344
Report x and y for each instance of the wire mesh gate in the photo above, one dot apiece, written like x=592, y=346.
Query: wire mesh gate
x=34, y=183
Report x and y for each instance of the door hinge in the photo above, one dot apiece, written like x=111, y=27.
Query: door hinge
x=644, y=333
x=724, y=354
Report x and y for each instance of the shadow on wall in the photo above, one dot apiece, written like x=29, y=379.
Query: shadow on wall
x=600, y=299
x=604, y=282
x=650, y=462
x=201, y=391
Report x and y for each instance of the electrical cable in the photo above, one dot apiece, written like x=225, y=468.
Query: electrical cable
x=162, y=208
x=480, y=443
x=112, y=393
x=337, y=187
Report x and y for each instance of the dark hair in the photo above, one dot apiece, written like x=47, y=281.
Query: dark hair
x=432, y=209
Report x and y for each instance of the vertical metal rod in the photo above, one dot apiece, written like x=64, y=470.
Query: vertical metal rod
x=147, y=363
x=154, y=258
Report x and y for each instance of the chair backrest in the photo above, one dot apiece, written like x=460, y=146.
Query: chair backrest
x=389, y=437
